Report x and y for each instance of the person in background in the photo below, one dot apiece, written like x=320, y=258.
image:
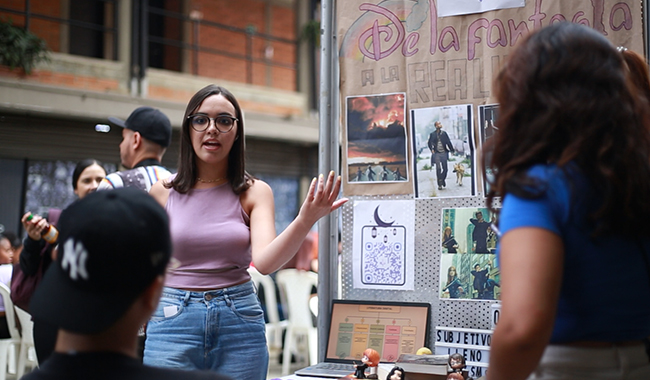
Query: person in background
x=37, y=254
x=6, y=257
x=440, y=145
x=16, y=244
x=480, y=233
x=454, y=286
x=96, y=316
x=572, y=167
x=222, y=219
x=480, y=278
x=370, y=173
x=490, y=284
x=448, y=240
x=146, y=134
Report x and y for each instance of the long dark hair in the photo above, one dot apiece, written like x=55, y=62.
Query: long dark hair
x=240, y=180
x=395, y=369
x=565, y=97
x=81, y=166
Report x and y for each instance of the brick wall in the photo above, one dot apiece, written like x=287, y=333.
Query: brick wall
x=232, y=64
x=47, y=30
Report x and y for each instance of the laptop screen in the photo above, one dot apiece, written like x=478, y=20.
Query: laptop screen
x=391, y=328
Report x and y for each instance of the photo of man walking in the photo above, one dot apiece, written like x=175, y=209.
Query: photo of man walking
x=440, y=146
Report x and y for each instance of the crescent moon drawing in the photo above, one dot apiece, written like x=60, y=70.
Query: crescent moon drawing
x=380, y=222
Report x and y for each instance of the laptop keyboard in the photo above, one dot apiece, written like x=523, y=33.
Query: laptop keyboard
x=327, y=369
x=336, y=366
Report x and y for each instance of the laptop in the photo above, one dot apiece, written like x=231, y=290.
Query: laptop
x=391, y=328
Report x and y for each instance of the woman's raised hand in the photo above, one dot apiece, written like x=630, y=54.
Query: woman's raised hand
x=322, y=198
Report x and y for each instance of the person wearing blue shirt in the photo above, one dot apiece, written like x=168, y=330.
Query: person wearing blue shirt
x=572, y=166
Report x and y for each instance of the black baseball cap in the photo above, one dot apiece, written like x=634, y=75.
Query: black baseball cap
x=152, y=124
x=111, y=247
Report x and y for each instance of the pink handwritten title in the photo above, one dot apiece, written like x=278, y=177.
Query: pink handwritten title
x=380, y=41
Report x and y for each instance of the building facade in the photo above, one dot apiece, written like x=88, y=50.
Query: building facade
x=108, y=57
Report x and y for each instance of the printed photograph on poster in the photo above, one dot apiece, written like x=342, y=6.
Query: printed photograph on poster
x=443, y=151
x=383, y=254
x=468, y=265
x=376, y=139
x=487, y=117
x=464, y=7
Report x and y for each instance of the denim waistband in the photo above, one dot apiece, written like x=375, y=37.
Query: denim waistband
x=234, y=291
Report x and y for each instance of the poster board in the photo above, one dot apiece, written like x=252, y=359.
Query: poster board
x=406, y=47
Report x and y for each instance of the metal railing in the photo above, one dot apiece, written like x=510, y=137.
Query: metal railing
x=109, y=32
x=193, y=27
x=192, y=46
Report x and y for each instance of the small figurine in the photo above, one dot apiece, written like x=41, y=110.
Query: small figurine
x=370, y=360
x=457, y=364
x=396, y=373
x=455, y=376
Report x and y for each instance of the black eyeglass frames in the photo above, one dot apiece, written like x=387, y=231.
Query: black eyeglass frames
x=223, y=123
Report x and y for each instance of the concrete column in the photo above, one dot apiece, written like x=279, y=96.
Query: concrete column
x=305, y=54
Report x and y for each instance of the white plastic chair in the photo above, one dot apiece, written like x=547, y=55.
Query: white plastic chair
x=11, y=344
x=301, y=336
x=274, y=326
x=27, y=354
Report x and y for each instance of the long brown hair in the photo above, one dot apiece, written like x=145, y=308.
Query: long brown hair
x=638, y=70
x=185, y=179
x=566, y=99
x=450, y=279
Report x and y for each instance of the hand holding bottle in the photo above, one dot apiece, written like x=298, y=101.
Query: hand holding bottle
x=37, y=227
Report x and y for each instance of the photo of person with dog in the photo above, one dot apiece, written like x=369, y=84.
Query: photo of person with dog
x=443, y=153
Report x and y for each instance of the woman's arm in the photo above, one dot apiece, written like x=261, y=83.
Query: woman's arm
x=531, y=263
x=269, y=251
x=159, y=192
x=30, y=257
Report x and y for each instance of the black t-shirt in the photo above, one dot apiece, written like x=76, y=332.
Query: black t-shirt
x=109, y=366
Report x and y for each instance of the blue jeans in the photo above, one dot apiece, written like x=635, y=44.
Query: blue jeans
x=218, y=330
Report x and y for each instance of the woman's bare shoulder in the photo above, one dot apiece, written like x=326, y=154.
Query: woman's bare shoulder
x=159, y=192
x=258, y=193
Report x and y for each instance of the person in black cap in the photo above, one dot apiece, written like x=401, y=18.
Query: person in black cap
x=101, y=289
x=146, y=135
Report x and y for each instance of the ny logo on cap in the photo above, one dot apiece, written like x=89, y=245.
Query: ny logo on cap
x=74, y=257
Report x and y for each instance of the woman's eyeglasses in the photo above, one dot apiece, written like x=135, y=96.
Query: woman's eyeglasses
x=223, y=123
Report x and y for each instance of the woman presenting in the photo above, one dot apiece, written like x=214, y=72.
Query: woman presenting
x=221, y=219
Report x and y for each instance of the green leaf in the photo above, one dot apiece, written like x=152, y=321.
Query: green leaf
x=21, y=48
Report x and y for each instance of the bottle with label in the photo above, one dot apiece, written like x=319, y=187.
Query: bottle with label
x=49, y=233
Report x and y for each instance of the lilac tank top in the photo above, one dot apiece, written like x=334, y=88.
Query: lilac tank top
x=211, y=238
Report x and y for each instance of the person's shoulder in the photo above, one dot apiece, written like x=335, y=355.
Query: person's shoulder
x=160, y=192
x=259, y=187
x=111, y=181
x=555, y=176
x=258, y=194
x=161, y=171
